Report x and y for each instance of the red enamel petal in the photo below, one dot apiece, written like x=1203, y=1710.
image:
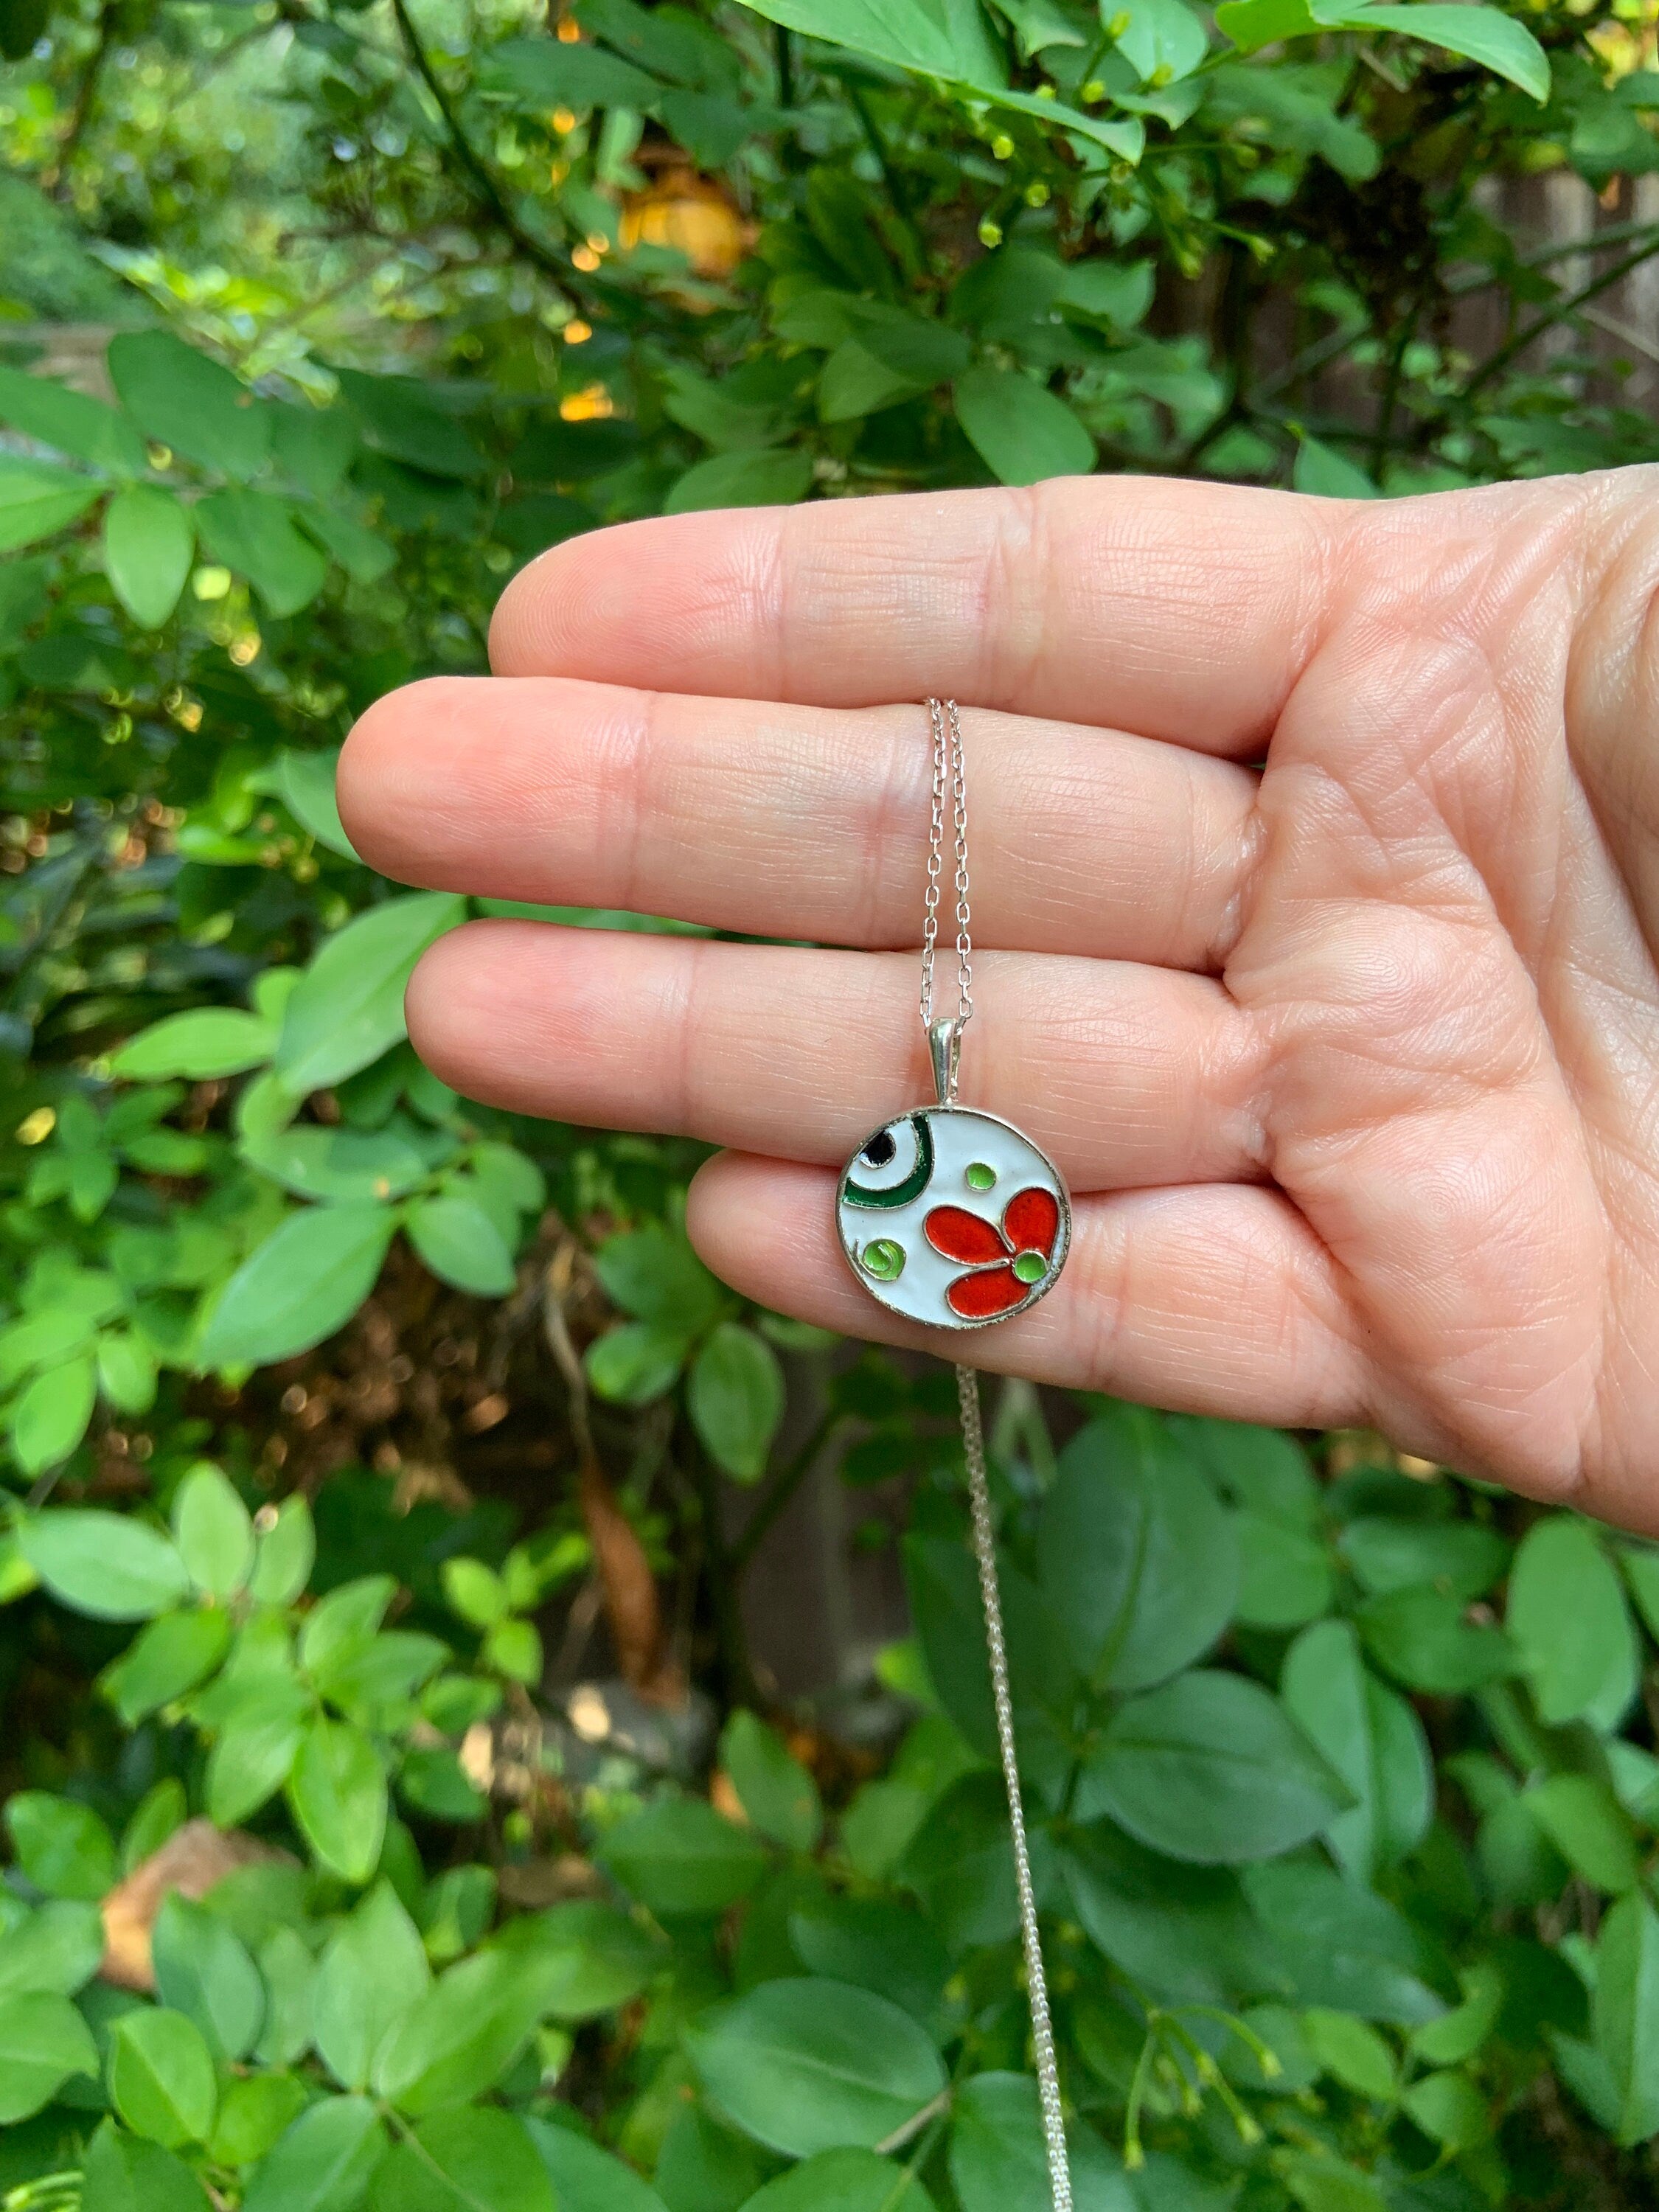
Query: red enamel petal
x=993, y=1291
x=963, y=1235
x=1032, y=1222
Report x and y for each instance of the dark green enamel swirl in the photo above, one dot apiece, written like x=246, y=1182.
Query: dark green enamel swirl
x=915, y=1183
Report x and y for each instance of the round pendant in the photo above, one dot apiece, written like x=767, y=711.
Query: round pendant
x=953, y=1218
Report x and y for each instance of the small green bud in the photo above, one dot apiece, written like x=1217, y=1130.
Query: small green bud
x=990, y=234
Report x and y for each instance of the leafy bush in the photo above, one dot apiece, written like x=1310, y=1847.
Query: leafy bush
x=1341, y=1783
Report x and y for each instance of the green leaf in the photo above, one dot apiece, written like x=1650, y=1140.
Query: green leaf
x=680, y=1858
x=43, y=2041
x=805, y=2066
x=337, y=1790
x=254, y=533
x=253, y=2111
x=57, y=1948
x=343, y=1621
x=1253, y=23
x=87, y=429
x=1163, y=39
x=470, y=2160
x=167, y=1658
x=348, y=1007
x=844, y=2181
x=1285, y=1576
x=345, y=1165
x=1023, y=432
x=364, y=557
x=588, y=2179
x=399, y=415
x=325, y=2162
x=123, y=2173
x=1372, y=1739
x=205, y=1043
x=1320, y=470
x=461, y=1245
x=542, y=73
x=1421, y=1636
x=126, y=1373
x=637, y=1363
x=150, y=542
x=110, y=1565
x=1497, y=41
x=256, y=1750
x=653, y=1274
x=462, y=2036
x=590, y=1958
x=304, y=784
x=1590, y=1827
x=1568, y=1618
x=214, y=1531
x=204, y=1972
x=1138, y=1560
x=735, y=1396
x=777, y=1792
x=184, y=400
x=302, y=1284
x=1209, y=1769
x=1352, y=2052
x=1322, y=2183
x=53, y=1413
x=160, y=2076
x=950, y=39
x=371, y=1976
x=1625, y=2013
x=62, y=1845
x=284, y=1553
x=775, y=478
x=37, y=498
x=1455, y=1556
x=1449, y=2110
x=998, y=2158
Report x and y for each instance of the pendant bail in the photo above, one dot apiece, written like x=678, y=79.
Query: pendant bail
x=945, y=1043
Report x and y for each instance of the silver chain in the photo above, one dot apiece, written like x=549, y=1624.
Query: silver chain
x=950, y=783
x=948, y=770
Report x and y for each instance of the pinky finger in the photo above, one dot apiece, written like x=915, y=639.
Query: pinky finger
x=1216, y=1299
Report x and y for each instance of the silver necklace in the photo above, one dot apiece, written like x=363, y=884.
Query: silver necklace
x=954, y=1218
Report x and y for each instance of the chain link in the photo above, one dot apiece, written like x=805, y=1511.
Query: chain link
x=950, y=787
x=951, y=783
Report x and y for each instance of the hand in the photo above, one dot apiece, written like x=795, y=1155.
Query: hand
x=1352, y=1060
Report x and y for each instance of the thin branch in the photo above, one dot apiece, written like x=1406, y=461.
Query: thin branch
x=485, y=189
x=779, y=1492
x=85, y=96
x=1497, y=362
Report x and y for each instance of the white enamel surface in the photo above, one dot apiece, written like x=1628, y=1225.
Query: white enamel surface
x=962, y=1137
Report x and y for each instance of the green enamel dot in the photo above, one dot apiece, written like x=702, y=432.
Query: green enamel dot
x=883, y=1258
x=1030, y=1267
x=979, y=1178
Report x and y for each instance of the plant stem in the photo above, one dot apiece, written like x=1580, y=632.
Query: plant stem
x=485, y=189
x=1497, y=362
x=777, y=1494
x=86, y=95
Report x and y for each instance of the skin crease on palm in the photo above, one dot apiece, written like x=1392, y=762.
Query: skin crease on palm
x=1316, y=872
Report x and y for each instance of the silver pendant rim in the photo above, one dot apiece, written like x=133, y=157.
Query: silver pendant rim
x=1038, y=1291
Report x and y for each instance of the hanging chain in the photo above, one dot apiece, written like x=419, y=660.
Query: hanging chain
x=950, y=783
x=948, y=770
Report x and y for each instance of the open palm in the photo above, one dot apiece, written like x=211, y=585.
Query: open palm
x=1351, y=1059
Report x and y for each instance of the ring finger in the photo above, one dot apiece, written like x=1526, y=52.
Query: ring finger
x=1125, y=1075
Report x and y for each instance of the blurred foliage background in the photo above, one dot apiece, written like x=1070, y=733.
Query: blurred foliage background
x=491, y=1720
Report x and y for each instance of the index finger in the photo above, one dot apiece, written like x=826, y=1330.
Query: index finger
x=1177, y=609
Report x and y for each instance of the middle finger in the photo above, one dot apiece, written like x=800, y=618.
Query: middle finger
x=1125, y=1075
x=799, y=821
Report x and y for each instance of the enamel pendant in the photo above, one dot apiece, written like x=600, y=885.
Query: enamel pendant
x=952, y=1217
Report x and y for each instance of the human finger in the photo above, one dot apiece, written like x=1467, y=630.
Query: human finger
x=790, y=821
x=1123, y=1074
x=1214, y=1300
x=1176, y=609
